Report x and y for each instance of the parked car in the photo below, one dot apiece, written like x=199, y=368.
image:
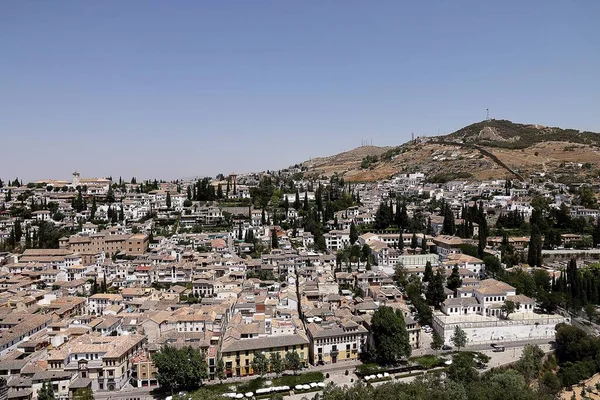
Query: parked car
x=446, y=347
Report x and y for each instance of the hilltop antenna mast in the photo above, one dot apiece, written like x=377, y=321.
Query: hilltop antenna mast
x=487, y=110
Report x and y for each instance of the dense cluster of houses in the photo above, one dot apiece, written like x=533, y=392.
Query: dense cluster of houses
x=92, y=312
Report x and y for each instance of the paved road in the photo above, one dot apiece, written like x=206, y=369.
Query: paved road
x=337, y=371
x=133, y=393
x=126, y=394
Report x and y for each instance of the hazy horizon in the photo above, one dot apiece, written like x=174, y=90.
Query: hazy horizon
x=165, y=90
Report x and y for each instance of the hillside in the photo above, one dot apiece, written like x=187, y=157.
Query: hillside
x=507, y=134
x=484, y=150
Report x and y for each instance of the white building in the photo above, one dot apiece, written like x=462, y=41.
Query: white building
x=337, y=240
x=98, y=302
x=480, y=315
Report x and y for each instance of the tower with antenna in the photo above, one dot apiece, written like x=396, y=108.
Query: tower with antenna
x=487, y=114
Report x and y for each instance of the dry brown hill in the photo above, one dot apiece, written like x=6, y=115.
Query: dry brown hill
x=485, y=150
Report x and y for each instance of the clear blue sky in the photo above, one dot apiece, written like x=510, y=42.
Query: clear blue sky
x=181, y=88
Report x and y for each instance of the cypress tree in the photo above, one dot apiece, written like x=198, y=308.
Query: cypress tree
x=382, y=217
x=400, y=242
x=11, y=238
x=534, y=251
x=413, y=242
x=454, y=281
x=353, y=234
x=319, y=198
x=428, y=274
x=305, y=205
x=448, y=227
x=110, y=196
x=18, y=231
x=297, y=200
x=435, y=289
x=483, y=230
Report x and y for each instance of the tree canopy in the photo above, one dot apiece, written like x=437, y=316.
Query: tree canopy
x=390, y=335
x=459, y=338
x=183, y=368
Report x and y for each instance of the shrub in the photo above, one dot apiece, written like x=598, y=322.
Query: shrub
x=449, y=176
x=368, y=369
x=293, y=380
x=368, y=161
x=427, y=361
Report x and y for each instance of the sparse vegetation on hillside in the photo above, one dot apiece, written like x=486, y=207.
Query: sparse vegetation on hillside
x=507, y=134
x=368, y=161
x=449, y=176
x=390, y=154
